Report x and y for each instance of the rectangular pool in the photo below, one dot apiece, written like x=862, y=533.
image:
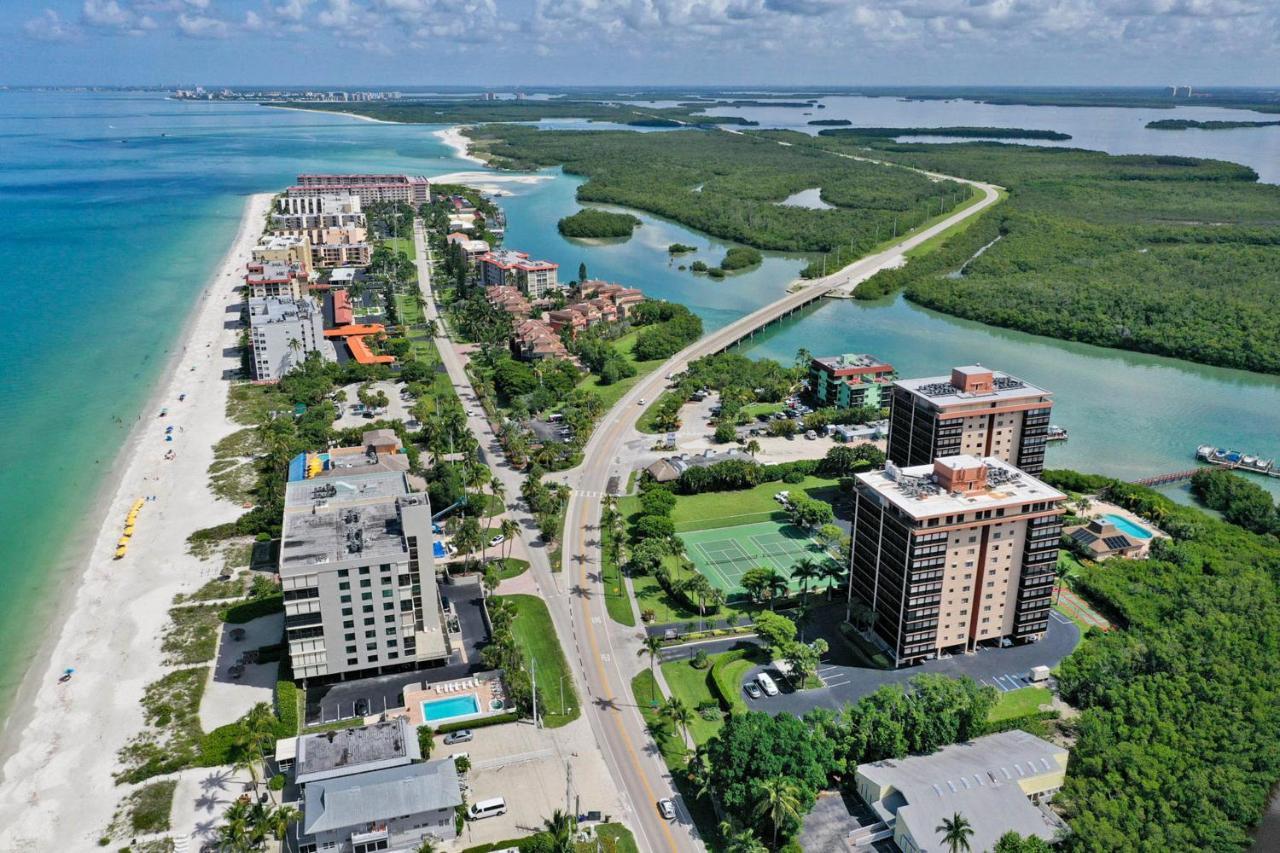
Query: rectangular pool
x=446, y=709
x=1124, y=525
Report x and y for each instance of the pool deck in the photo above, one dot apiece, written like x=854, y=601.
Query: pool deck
x=1101, y=509
x=485, y=687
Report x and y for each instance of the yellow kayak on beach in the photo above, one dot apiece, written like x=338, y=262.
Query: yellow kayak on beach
x=137, y=505
x=123, y=543
x=128, y=531
x=120, y=552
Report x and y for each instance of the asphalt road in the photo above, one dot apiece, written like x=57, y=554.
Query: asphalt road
x=606, y=653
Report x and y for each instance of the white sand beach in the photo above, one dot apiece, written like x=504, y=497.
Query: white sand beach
x=56, y=787
x=489, y=183
x=335, y=113
x=456, y=140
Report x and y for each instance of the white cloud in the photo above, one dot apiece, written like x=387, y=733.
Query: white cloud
x=49, y=27
x=341, y=13
x=107, y=14
x=202, y=27
x=252, y=21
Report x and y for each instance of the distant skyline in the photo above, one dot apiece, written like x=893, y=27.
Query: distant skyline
x=354, y=43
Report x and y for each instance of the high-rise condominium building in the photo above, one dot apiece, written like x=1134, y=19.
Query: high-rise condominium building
x=977, y=411
x=412, y=189
x=952, y=554
x=356, y=567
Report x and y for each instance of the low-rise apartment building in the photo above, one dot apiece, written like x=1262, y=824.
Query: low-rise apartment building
x=273, y=278
x=473, y=250
x=282, y=333
x=334, y=247
x=332, y=210
x=290, y=249
x=359, y=581
x=411, y=189
x=534, y=340
x=850, y=381
x=975, y=410
x=622, y=298
x=535, y=279
x=953, y=554
x=366, y=788
x=510, y=300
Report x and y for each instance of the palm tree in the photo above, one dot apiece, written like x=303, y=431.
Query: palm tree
x=777, y=587
x=510, y=529
x=499, y=491
x=280, y=818
x=426, y=846
x=753, y=447
x=956, y=832
x=562, y=828
x=831, y=572
x=777, y=799
x=806, y=569
x=653, y=648
x=677, y=712
x=699, y=589
x=738, y=840
x=1061, y=570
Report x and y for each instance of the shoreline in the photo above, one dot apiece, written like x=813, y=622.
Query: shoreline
x=59, y=743
x=456, y=140
x=330, y=113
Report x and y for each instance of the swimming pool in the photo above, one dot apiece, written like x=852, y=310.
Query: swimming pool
x=1126, y=526
x=447, y=709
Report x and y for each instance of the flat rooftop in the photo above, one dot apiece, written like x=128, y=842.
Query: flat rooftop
x=355, y=750
x=352, y=517
x=851, y=360
x=916, y=492
x=940, y=391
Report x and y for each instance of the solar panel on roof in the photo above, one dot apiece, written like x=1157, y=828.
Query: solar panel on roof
x=1115, y=542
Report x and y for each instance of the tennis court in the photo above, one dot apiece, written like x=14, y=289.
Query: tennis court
x=724, y=554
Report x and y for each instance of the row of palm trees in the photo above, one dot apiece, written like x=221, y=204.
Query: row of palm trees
x=248, y=826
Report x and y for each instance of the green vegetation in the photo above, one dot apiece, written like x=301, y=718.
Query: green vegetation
x=617, y=600
x=1165, y=255
x=1158, y=97
x=692, y=687
x=741, y=258
x=232, y=474
x=534, y=638
x=746, y=506
x=1198, y=634
x=960, y=132
x=1019, y=703
x=192, y=635
x=681, y=249
x=466, y=112
x=143, y=811
x=830, y=122
x=1189, y=124
x=741, y=179
x=590, y=222
x=1240, y=500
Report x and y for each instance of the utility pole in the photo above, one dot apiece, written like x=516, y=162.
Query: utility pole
x=533, y=668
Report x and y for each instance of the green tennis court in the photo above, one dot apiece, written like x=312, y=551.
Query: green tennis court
x=724, y=554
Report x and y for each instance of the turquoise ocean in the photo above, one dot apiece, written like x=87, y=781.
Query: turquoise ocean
x=117, y=207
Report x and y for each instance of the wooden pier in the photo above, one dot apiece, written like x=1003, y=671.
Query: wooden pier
x=1166, y=479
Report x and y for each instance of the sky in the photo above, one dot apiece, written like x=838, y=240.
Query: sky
x=493, y=43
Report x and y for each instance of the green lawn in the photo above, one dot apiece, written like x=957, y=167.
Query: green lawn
x=645, y=424
x=1019, y=703
x=611, y=394
x=935, y=242
x=510, y=567
x=402, y=244
x=691, y=686
x=536, y=637
x=408, y=310
x=616, y=599
x=727, y=509
x=754, y=409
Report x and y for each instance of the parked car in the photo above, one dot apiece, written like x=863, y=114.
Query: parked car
x=487, y=808
x=497, y=540
x=667, y=809
x=460, y=736
x=753, y=689
x=640, y=402
x=811, y=435
x=767, y=684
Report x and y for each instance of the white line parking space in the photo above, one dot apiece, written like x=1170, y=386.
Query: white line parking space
x=1053, y=614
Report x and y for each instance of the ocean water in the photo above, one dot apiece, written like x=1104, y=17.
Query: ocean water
x=118, y=206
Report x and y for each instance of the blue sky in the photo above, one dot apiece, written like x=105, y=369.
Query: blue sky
x=605, y=42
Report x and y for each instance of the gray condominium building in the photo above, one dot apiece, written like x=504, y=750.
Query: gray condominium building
x=359, y=582
x=953, y=554
x=975, y=410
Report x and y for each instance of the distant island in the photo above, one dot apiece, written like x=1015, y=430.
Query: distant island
x=681, y=248
x=831, y=122
x=1190, y=124
x=591, y=222
x=965, y=131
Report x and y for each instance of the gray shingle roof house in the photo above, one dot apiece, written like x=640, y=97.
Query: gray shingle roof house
x=396, y=801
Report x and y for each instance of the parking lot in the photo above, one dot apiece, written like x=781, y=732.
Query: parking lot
x=846, y=680
x=373, y=695
x=536, y=771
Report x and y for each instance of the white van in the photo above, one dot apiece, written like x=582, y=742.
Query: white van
x=487, y=808
x=766, y=684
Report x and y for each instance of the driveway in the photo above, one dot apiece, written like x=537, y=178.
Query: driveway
x=847, y=680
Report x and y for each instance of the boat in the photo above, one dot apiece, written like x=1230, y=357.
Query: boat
x=1236, y=460
x=1056, y=433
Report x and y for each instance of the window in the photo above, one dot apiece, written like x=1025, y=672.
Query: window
x=351, y=650
x=391, y=632
x=388, y=618
x=388, y=605
x=364, y=570
x=344, y=584
x=345, y=599
x=371, y=647
x=385, y=567
x=350, y=623
x=346, y=611
x=342, y=573
x=369, y=620
x=365, y=583
x=373, y=659
x=366, y=596
x=392, y=655
x=370, y=635
x=392, y=643
x=368, y=608
x=386, y=593
x=350, y=638
x=350, y=662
